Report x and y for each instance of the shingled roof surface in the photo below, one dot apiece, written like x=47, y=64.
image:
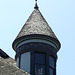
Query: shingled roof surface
x=8, y=67
x=36, y=24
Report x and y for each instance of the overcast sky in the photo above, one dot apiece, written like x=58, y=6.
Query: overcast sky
x=60, y=15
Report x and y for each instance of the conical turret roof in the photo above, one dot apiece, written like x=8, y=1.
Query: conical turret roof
x=36, y=25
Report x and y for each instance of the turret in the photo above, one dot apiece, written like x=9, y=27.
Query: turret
x=36, y=46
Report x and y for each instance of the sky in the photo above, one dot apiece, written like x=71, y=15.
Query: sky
x=60, y=15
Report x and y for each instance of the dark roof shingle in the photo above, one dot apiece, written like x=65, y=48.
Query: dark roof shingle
x=8, y=67
x=36, y=24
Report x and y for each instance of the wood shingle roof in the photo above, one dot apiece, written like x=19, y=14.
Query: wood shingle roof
x=36, y=24
x=8, y=66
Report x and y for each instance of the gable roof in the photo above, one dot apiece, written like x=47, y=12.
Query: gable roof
x=3, y=54
x=8, y=67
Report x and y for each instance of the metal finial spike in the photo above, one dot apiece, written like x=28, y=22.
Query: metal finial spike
x=36, y=6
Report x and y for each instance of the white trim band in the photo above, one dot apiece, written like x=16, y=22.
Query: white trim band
x=36, y=40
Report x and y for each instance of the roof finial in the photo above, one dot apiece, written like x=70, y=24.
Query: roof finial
x=36, y=6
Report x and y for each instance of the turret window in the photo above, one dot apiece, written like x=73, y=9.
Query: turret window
x=39, y=64
x=39, y=70
x=51, y=71
x=51, y=65
x=19, y=61
x=51, y=62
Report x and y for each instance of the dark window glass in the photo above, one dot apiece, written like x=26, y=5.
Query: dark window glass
x=39, y=64
x=50, y=71
x=18, y=62
x=51, y=62
x=39, y=58
x=39, y=70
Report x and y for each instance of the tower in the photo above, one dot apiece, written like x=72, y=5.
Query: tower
x=36, y=46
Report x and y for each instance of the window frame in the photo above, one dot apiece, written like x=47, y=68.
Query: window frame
x=47, y=54
x=19, y=61
x=50, y=67
x=40, y=64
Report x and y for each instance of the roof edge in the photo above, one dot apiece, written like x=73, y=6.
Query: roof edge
x=39, y=36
